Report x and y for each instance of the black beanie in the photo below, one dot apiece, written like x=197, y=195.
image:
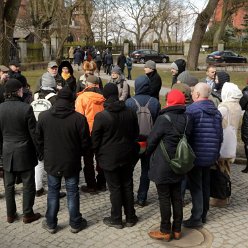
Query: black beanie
x=223, y=77
x=12, y=85
x=109, y=90
x=66, y=93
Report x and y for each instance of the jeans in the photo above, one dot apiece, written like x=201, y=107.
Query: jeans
x=170, y=195
x=144, y=179
x=199, y=185
x=54, y=185
x=120, y=184
x=28, y=191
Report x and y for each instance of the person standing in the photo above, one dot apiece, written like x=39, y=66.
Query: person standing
x=18, y=142
x=63, y=137
x=114, y=134
x=129, y=64
x=177, y=67
x=98, y=60
x=108, y=61
x=155, y=79
x=121, y=61
x=168, y=183
x=205, y=140
x=89, y=102
x=3, y=79
x=142, y=98
x=78, y=57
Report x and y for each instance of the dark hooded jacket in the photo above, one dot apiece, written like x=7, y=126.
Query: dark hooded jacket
x=207, y=132
x=155, y=83
x=181, y=64
x=244, y=106
x=114, y=135
x=63, y=136
x=142, y=96
x=71, y=81
x=160, y=171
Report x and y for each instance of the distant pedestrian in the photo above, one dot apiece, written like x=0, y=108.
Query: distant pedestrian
x=129, y=64
x=71, y=54
x=19, y=146
x=98, y=60
x=177, y=67
x=114, y=136
x=121, y=61
x=63, y=136
x=78, y=58
x=108, y=61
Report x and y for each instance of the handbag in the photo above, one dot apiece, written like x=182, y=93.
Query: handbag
x=229, y=144
x=184, y=158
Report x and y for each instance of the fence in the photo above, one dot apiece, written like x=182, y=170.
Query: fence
x=34, y=52
x=175, y=49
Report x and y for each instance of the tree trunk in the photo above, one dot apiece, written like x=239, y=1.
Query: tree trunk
x=198, y=34
x=8, y=14
x=219, y=34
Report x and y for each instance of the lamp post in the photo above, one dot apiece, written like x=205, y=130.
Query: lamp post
x=176, y=24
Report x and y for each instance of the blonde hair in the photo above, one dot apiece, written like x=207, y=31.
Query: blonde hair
x=89, y=66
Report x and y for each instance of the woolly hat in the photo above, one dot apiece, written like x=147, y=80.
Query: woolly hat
x=150, y=64
x=89, y=66
x=47, y=80
x=186, y=78
x=174, y=66
x=175, y=97
x=116, y=70
x=109, y=90
x=12, y=85
x=223, y=77
x=179, y=65
x=92, y=79
x=65, y=93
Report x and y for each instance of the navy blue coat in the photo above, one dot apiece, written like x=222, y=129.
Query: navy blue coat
x=142, y=96
x=207, y=133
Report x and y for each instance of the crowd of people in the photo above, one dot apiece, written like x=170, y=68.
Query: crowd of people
x=66, y=120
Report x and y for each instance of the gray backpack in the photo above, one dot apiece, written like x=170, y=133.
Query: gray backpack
x=144, y=119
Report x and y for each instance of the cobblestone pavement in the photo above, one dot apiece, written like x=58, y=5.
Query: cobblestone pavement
x=225, y=227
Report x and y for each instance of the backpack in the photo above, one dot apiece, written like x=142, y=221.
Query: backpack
x=39, y=105
x=144, y=119
x=184, y=158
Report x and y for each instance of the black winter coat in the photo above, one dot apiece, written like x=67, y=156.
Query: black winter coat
x=155, y=83
x=244, y=105
x=114, y=135
x=63, y=136
x=17, y=135
x=160, y=171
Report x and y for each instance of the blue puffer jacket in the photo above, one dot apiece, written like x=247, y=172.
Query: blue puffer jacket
x=207, y=133
x=142, y=90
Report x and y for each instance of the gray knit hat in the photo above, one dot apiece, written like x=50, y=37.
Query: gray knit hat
x=116, y=70
x=186, y=78
x=150, y=64
x=47, y=80
x=92, y=79
x=174, y=66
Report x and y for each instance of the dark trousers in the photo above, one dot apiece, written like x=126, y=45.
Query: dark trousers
x=108, y=69
x=170, y=195
x=129, y=77
x=199, y=185
x=144, y=179
x=120, y=184
x=89, y=172
x=28, y=191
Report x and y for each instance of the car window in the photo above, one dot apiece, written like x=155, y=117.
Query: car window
x=146, y=52
x=153, y=52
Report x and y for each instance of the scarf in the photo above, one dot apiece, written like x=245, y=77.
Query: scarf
x=65, y=76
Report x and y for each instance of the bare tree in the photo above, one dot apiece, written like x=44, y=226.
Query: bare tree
x=198, y=34
x=229, y=7
x=8, y=13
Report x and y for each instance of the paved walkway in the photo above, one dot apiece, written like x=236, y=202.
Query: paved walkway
x=225, y=227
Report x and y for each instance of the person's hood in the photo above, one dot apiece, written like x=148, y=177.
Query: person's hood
x=92, y=96
x=230, y=92
x=62, y=108
x=112, y=104
x=142, y=85
x=181, y=64
x=67, y=64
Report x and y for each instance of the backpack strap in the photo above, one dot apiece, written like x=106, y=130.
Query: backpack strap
x=48, y=96
x=173, y=126
x=138, y=105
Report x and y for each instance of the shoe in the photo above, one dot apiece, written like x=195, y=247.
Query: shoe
x=40, y=192
x=102, y=188
x=11, y=219
x=140, y=203
x=80, y=228
x=204, y=220
x=245, y=170
x=177, y=235
x=132, y=222
x=192, y=223
x=86, y=189
x=107, y=221
x=49, y=229
x=31, y=218
x=160, y=235
x=62, y=195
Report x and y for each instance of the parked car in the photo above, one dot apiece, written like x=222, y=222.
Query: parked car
x=142, y=55
x=225, y=57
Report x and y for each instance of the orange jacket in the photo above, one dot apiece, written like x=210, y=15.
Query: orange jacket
x=89, y=104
